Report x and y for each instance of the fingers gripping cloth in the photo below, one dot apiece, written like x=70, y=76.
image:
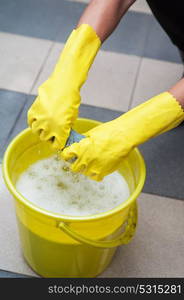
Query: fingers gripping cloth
x=101, y=152
x=56, y=107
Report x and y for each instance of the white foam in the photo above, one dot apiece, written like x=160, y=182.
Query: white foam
x=49, y=184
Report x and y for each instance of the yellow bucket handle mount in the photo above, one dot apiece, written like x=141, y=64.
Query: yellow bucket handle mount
x=124, y=237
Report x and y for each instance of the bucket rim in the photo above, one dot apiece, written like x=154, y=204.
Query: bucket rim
x=21, y=199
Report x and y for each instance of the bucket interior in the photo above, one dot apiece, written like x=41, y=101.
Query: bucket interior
x=26, y=155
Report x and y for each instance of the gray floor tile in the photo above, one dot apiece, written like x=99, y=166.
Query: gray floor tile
x=156, y=249
x=40, y=19
x=111, y=81
x=165, y=164
x=21, y=60
x=22, y=120
x=48, y=67
x=11, y=104
x=130, y=35
x=139, y=5
x=11, y=258
x=98, y=113
x=6, y=274
x=155, y=77
x=159, y=45
x=83, y=1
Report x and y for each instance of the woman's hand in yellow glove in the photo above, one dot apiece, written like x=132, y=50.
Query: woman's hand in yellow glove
x=52, y=114
x=101, y=152
x=55, y=109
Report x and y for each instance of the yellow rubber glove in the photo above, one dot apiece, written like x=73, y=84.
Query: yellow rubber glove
x=101, y=152
x=56, y=107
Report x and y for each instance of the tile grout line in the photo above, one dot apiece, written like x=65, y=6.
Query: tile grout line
x=15, y=274
x=138, y=69
x=43, y=64
x=41, y=68
x=135, y=83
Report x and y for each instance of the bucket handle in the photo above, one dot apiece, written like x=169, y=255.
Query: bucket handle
x=123, y=238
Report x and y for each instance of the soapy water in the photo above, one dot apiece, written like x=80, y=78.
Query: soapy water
x=50, y=184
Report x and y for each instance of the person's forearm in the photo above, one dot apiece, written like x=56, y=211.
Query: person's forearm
x=104, y=15
x=178, y=91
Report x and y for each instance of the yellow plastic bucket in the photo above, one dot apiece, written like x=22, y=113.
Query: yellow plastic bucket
x=57, y=245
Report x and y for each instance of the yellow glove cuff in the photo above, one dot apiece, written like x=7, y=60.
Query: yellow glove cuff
x=153, y=117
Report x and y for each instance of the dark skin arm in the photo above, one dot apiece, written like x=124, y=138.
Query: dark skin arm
x=104, y=15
